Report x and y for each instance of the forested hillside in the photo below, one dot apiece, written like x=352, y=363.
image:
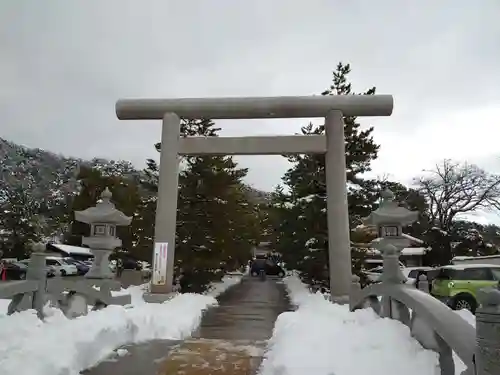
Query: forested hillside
x=40, y=190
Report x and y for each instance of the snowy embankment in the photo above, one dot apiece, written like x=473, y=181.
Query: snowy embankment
x=63, y=346
x=327, y=339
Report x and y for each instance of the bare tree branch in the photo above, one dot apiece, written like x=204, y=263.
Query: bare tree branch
x=456, y=188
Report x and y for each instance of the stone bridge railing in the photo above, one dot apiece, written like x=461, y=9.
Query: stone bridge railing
x=72, y=296
x=433, y=323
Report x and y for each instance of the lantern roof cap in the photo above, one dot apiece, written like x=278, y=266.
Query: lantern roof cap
x=390, y=212
x=103, y=212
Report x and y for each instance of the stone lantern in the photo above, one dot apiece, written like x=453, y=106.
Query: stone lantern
x=389, y=219
x=103, y=220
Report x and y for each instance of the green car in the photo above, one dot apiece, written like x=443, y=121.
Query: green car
x=457, y=285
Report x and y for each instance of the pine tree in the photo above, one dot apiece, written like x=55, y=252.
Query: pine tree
x=213, y=235
x=306, y=228
x=439, y=242
x=216, y=225
x=144, y=224
x=473, y=239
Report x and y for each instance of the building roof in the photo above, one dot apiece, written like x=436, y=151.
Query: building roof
x=407, y=251
x=412, y=239
x=477, y=257
x=71, y=250
x=466, y=266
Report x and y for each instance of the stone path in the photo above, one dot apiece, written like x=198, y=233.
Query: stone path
x=230, y=340
x=246, y=312
x=140, y=359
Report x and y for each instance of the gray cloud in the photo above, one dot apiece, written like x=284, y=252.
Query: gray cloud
x=64, y=64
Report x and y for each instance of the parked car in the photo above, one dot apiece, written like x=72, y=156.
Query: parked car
x=15, y=270
x=81, y=267
x=457, y=285
x=131, y=264
x=271, y=268
x=412, y=275
x=128, y=264
x=61, y=267
x=87, y=263
x=50, y=270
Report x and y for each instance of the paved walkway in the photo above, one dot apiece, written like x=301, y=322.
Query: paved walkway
x=230, y=340
x=141, y=359
x=246, y=312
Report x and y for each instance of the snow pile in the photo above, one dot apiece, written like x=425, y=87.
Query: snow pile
x=327, y=339
x=63, y=346
x=4, y=304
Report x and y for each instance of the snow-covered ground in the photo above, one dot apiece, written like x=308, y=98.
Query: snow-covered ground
x=60, y=346
x=322, y=338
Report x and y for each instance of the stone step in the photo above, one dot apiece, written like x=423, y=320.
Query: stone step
x=213, y=357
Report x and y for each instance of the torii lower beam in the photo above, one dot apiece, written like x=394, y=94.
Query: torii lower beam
x=332, y=108
x=271, y=145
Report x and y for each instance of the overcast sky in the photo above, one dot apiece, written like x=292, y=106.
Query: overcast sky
x=63, y=64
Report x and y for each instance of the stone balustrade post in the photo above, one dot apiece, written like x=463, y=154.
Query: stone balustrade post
x=487, y=358
x=37, y=270
x=391, y=273
x=355, y=285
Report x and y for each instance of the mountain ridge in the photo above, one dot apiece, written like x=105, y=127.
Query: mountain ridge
x=46, y=173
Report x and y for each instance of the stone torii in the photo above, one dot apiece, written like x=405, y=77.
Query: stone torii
x=332, y=145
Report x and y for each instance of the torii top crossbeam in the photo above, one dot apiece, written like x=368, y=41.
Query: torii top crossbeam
x=255, y=107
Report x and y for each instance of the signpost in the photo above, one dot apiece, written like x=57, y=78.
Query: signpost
x=160, y=263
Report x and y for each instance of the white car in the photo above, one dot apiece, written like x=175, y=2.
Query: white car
x=410, y=273
x=61, y=267
x=50, y=271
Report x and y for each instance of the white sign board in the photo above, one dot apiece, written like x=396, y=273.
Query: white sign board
x=159, y=276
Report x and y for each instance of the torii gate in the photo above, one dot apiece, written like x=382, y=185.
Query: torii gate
x=332, y=144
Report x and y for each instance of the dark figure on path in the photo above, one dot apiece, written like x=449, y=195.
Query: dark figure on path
x=119, y=268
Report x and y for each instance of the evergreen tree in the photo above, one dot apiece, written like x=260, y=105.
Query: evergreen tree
x=216, y=225
x=439, y=242
x=213, y=235
x=305, y=214
x=283, y=223
x=144, y=225
x=472, y=239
